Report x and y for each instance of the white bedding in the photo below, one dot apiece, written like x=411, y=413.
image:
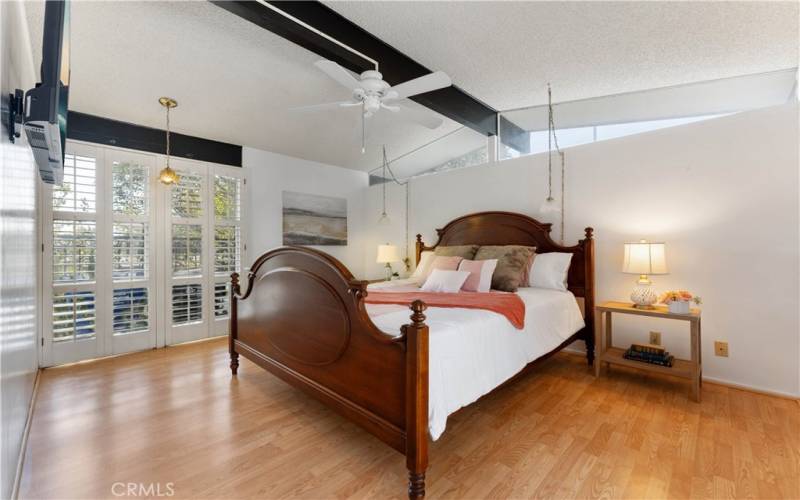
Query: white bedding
x=463, y=339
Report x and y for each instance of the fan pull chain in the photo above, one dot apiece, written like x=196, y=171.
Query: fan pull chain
x=364, y=135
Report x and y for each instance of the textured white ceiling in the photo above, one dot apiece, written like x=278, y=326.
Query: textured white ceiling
x=504, y=52
x=233, y=80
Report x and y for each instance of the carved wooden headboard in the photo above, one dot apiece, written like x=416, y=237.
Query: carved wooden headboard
x=508, y=228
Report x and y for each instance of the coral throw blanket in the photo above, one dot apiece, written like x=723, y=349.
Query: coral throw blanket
x=507, y=304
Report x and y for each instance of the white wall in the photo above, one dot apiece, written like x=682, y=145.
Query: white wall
x=18, y=178
x=270, y=174
x=722, y=193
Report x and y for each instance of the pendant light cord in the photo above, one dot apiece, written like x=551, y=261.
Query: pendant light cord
x=552, y=139
x=167, y=135
x=549, y=144
x=407, y=184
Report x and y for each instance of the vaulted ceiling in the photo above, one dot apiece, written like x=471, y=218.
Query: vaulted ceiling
x=235, y=82
x=504, y=52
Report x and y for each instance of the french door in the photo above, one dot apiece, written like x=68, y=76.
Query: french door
x=75, y=300
x=204, y=247
x=130, y=264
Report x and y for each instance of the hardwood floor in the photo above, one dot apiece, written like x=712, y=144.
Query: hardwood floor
x=176, y=416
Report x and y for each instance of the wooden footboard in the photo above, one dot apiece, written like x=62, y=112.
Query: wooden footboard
x=303, y=318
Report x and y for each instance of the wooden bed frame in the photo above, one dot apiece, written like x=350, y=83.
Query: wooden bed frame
x=303, y=318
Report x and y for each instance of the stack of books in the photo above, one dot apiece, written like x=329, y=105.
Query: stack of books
x=647, y=353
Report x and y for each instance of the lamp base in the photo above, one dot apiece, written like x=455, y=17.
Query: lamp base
x=389, y=272
x=643, y=297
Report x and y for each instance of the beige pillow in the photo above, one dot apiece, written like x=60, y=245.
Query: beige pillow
x=513, y=262
x=463, y=251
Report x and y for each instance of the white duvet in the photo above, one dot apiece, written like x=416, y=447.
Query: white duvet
x=473, y=351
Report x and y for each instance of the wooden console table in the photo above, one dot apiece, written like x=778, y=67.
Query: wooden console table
x=606, y=353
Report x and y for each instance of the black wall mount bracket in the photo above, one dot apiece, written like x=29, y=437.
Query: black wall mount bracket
x=15, y=114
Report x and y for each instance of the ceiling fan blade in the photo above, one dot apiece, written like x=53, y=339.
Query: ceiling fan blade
x=322, y=107
x=338, y=73
x=434, y=81
x=393, y=109
x=421, y=116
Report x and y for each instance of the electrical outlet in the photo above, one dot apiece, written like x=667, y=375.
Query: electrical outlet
x=655, y=338
x=721, y=348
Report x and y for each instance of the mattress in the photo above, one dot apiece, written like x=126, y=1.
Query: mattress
x=474, y=351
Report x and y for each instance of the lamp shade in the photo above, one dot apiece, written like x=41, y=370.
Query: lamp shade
x=388, y=253
x=645, y=258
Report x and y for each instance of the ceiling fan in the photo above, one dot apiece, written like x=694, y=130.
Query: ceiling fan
x=372, y=94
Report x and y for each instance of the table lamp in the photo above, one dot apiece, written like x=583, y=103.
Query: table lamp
x=386, y=255
x=644, y=258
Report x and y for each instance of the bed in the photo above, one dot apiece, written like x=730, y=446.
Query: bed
x=303, y=317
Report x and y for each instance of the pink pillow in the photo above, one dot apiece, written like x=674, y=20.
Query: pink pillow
x=444, y=263
x=480, y=274
x=445, y=281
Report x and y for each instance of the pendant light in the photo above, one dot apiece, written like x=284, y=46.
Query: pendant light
x=549, y=205
x=168, y=176
x=384, y=218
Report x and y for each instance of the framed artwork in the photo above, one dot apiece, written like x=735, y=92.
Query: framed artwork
x=310, y=219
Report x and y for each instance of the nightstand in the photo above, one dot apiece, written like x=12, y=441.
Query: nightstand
x=606, y=353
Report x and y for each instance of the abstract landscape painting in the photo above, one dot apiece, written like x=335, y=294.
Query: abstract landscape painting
x=309, y=219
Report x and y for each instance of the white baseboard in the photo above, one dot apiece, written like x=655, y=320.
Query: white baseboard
x=719, y=381
x=24, y=443
x=751, y=388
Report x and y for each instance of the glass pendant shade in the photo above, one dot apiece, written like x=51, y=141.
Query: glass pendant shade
x=384, y=220
x=168, y=176
x=549, y=206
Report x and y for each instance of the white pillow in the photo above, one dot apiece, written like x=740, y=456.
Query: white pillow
x=425, y=261
x=550, y=269
x=445, y=281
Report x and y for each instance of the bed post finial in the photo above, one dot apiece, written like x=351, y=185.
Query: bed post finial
x=416, y=399
x=235, y=291
x=418, y=307
x=420, y=246
x=589, y=233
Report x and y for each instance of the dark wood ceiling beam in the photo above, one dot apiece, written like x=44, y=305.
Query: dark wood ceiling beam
x=395, y=66
x=99, y=130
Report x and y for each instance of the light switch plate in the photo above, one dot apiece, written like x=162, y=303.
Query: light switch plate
x=721, y=348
